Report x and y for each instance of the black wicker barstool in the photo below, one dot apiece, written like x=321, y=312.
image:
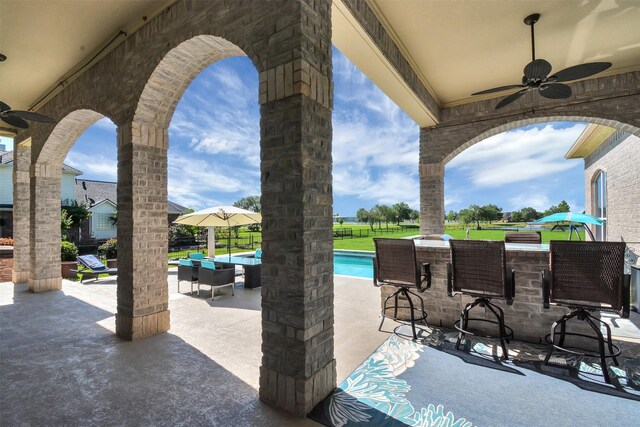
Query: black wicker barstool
x=479, y=268
x=396, y=265
x=586, y=277
x=531, y=237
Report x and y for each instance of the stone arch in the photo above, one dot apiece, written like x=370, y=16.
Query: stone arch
x=514, y=124
x=64, y=135
x=175, y=72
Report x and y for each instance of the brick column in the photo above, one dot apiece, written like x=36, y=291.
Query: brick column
x=143, y=296
x=21, y=212
x=44, y=230
x=431, y=198
x=298, y=366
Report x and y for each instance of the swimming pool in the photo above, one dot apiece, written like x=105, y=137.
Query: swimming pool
x=353, y=263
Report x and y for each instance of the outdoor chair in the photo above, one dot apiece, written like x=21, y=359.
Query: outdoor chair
x=90, y=267
x=396, y=264
x=187, y=272
x=209, y=275
x=258, y=254
x=533, y=237
x=586, y=277
x=478, y=268
x=196, y=258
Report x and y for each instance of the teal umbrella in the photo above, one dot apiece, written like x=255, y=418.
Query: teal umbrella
x=571, y=217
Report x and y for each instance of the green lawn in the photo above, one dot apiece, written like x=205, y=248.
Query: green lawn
x=365, y=243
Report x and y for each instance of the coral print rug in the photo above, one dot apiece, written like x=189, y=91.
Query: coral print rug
x=430, y=384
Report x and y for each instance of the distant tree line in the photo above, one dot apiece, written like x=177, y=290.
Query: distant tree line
x=388, y=214
x=476, y=214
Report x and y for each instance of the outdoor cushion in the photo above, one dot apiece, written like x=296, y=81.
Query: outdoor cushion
x=208, y=264
x=186, y=262
x=258, y=254
x=90, y=261
x=196, y=255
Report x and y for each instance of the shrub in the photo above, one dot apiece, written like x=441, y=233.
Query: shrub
x=68, y=251
x=6, y=241
x=108, y=249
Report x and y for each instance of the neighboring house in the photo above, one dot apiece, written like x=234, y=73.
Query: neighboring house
x=612, y=181
x=99, y=196
x=6, y=190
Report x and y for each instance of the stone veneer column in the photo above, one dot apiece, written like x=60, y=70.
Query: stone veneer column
x=432, y=198
x=298, y=366
x=143, y=295
x=21, y=212
x=44, y=230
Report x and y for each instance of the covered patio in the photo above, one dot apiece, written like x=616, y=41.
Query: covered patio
x=427, y=56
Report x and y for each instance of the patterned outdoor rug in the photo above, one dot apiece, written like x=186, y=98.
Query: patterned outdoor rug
x=431, y=384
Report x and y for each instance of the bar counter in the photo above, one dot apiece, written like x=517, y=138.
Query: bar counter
x=527, y=317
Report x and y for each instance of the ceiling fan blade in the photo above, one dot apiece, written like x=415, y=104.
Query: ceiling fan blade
x=14, y=121
x=538, y=68
x=580, y=71
x=509, y=99
x=4, y=107
x=555, y=91
x=28, y=115
x=498, y=89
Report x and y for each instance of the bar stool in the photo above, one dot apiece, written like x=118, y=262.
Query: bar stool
x=479, y=268
x=586, y=277
x=396, y=265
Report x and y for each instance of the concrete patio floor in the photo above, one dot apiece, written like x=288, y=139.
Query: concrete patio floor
x=61, y=363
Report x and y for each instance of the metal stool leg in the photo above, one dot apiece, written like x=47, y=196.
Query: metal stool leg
x=609, y=340
x=554, y=325
x=603, y=361
x=503, y=331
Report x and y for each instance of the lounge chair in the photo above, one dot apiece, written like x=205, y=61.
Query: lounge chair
x=209, y=275
x=90, y=267
x=530, y=237
x=258, y=254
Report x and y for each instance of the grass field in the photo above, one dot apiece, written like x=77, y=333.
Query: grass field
x=366, y=243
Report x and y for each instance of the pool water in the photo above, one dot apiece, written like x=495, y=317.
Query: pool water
x=359, y=264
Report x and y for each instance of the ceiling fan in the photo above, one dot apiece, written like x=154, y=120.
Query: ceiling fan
x=536, y=72
x=19, y=118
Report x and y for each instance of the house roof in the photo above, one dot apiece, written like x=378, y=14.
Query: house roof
x=6, y=158
x=93, y=192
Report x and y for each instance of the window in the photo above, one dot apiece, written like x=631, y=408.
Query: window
x=101, y=221
x=599, y=193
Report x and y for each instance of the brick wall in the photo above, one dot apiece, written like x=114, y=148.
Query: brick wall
x=6, y=264
x=619, y=158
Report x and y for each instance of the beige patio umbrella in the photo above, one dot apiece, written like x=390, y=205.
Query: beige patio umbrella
x=219, y=216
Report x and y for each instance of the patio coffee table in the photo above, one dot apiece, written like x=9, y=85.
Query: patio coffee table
x=252, y=268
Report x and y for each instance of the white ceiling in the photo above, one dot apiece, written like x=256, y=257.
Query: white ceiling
x=464, y=46
x=46, y=39
x=456, y=47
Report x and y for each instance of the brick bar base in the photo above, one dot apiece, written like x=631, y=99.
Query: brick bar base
x=45, y=285
x=19, y=276
x=297, y=395
x=132, y=328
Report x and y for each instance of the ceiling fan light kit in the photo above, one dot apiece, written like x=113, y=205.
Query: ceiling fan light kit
x=536, y=75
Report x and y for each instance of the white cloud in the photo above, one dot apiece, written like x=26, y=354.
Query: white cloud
x=94, y=166
x=105, y=123
x=540, y=201
x=518, y=155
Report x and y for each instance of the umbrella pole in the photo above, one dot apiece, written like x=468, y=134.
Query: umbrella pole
x=211, y=241
x=229, y=239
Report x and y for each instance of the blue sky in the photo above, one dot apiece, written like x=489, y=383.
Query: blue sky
x=214, y=155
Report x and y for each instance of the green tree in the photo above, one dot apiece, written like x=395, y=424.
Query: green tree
x=530, y=214
x=65, y=223
x=564, y=206
x=470, y=215
x=250, y=203
x=414, y=215
x=403, y=212
x=76, y=212
x=451, y=216
x=516, y=216
x=362, y=215
x=375, y=215
x=490, y=213
x=387, y=213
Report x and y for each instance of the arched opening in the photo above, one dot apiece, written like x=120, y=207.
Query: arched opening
x=53, y=190
x=497, y=161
